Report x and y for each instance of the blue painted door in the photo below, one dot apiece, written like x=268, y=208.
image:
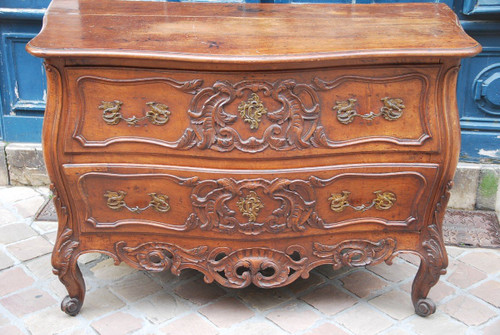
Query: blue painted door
x=22, y=77
x=22, y=89
x=479, y=82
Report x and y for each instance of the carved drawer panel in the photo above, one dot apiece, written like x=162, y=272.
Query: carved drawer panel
x=274, y=114
x=236, y=204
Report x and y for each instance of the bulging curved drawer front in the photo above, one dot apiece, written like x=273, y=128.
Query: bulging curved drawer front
x=236, y=204
x=271, y=114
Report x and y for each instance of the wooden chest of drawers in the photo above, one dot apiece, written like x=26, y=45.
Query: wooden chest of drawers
x=250, y=142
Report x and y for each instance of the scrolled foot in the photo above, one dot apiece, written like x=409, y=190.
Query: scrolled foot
x=425, y=307
x=71, y=306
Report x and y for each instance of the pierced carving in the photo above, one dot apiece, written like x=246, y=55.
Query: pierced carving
x=382, y=201
x=252, y=110
x=262, y=267
x=157, y=115
x=356, y=252
x=250, y=206
x=115, y=201
x=392, y=110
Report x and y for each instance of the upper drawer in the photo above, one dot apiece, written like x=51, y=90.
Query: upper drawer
x=274, y=114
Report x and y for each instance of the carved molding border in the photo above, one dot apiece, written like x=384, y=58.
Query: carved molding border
x=295, y=125
x=263, y=267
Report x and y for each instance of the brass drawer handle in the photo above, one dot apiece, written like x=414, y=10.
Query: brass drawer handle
x=158, y=115
x=392, y=110
x=159, y=202
x=382, y=201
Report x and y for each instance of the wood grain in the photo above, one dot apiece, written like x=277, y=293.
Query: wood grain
x=252, y=33
x=300, y=136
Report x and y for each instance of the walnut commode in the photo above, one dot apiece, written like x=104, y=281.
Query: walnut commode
x=251, y=142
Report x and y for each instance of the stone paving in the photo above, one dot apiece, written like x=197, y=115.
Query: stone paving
x=121, y=300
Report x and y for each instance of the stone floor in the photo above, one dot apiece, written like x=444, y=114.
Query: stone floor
x=121, y=300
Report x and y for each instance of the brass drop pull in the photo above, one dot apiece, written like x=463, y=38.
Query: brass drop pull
x=382, y=201
x=392, y=110
x=115, y=201
x=250, y=206
x=157, y=115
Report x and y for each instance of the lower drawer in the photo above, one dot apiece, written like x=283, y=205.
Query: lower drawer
x=238, y=203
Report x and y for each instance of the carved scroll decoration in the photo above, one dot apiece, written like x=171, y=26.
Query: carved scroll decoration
x=252, y=110
x=392, y=110
x=292, y=125
x=115, y=201
x=295, y=199
x=356, y=252
x=383, y=201
x=157, y=115
x=263, y=267
x=160, y=256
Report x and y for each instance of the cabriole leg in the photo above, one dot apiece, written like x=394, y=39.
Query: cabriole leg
x=433, y=263
x=64, y=261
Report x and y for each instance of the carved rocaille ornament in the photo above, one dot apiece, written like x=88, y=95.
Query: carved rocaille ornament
x=356, y=253
x=263, y=267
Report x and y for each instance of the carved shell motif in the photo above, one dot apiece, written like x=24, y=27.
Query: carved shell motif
x=262, y=267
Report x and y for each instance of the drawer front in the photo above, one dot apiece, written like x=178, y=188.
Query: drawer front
x=281, y=114
x=238, y=204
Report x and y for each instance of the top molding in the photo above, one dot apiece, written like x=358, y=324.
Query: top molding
x=228, y=33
